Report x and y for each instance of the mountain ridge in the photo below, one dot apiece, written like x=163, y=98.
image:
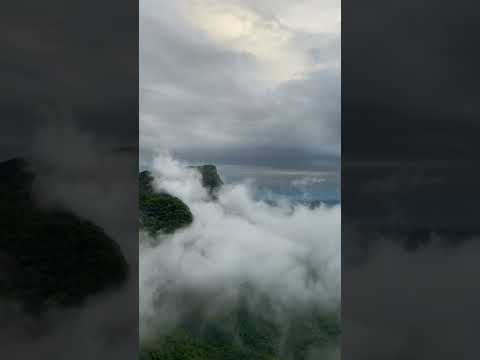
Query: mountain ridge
x=50, y=257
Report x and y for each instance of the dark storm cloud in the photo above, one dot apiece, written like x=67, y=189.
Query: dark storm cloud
x=283, y=131
x=279, y=158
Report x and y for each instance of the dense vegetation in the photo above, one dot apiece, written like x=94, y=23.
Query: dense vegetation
x=245, y=333
x=50, y=256
x=160, y=212
x=240, y=330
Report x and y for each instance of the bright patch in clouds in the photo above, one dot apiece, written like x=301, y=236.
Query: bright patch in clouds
x=322, y=16
x=241, y=82
x=271, y=40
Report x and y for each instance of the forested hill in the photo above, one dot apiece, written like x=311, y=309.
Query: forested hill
x=252, y=325
x=162, y=212
x=50, y=256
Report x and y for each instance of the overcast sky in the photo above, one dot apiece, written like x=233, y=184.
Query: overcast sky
x=241, y=82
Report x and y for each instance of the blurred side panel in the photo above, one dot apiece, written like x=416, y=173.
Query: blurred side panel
x=410, y=180
x=68, y=184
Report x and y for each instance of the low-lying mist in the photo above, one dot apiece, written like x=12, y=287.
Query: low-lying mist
x=285, y=258
x=79, y=173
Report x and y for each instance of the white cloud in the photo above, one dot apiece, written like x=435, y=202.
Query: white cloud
x=272, y=43
x=230, y=76
x=293, y=255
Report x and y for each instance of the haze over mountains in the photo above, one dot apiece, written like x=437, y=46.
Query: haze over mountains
x=253, y=269
x=243, y=279
x=250, y=86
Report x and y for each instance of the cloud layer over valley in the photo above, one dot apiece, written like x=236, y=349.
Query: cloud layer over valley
x=290, y=255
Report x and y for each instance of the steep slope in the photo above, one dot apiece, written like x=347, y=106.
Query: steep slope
x=211, y=180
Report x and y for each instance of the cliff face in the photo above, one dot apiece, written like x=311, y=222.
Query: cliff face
x=211, y=180
x=50, y=256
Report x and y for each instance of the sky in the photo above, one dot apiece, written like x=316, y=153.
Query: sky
x=248, y=84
